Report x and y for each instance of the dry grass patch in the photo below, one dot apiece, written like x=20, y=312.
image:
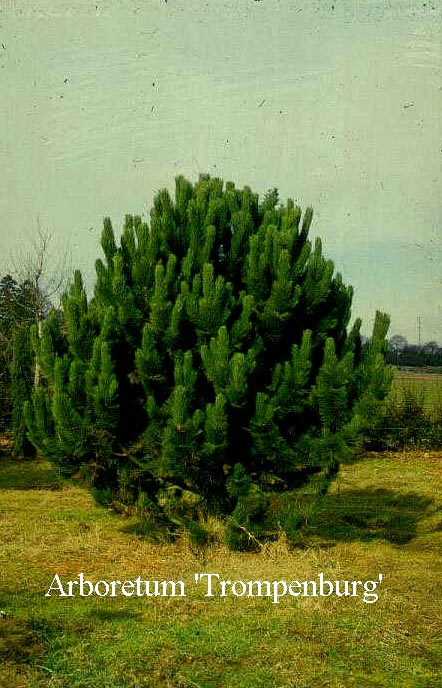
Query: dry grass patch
x=383, y=515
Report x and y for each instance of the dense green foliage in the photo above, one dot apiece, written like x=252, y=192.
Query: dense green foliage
x=21, y=388
x=213, y=368
x=17, y=310
x=408, y=419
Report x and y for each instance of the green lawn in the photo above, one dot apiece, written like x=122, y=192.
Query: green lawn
x=383, y=515
x=427, y=386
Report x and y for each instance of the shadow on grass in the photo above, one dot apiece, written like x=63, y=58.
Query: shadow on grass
x=105, y=615
x=368, y=515
x=351, y=515
x=364, y=515
x=27, y=474
x=157, y=533
x=19, y=642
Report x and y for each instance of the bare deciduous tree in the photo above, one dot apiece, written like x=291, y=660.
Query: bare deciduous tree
x=44, y=276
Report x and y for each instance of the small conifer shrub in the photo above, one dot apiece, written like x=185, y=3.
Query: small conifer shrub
x=213, y=370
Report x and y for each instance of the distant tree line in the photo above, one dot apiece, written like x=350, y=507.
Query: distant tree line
x=401, y=353
x=23, y=307
x=16, y=312
x=26, y=298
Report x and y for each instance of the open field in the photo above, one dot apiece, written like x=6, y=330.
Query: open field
x=423, y=383
x=383, y=515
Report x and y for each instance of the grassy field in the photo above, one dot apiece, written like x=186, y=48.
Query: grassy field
x=383, y=515
x=426, y=385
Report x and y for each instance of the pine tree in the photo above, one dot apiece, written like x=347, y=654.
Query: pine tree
x=213, y=364
x=17, y=309
x=21, y=388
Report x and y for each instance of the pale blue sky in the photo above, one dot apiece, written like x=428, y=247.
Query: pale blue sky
x=103, y=102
